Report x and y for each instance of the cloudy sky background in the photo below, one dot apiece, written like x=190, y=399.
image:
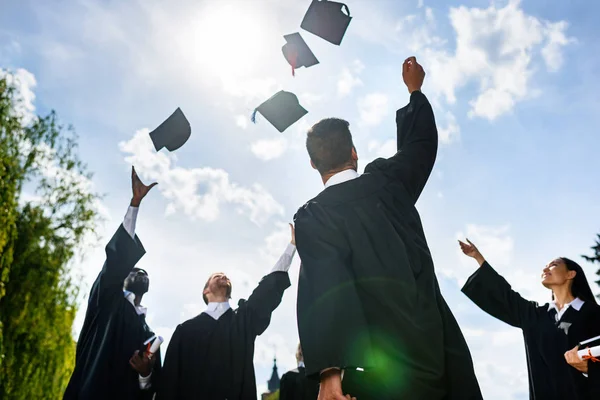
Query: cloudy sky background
x=514, y=87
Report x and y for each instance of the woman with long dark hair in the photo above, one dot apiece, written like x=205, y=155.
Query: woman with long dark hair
x=551, y=331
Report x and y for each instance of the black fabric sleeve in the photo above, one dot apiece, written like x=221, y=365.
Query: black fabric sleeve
x=332, y=325
x=168, y=385
x=417, y=142
x=492, y=293
x=122, y=253
x=264, y=300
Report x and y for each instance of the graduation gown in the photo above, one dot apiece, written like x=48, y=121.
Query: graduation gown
x=112, y=331
x=213, y=359
x=368, y=296
x=295, y=385
x=546, y=340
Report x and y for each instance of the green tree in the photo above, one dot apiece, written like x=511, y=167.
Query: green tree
x=595, y=257
x=38, y=240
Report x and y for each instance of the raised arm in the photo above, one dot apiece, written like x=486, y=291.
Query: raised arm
x=267, y=296
x=416, y=136
x=123, y=251
x=492, y=293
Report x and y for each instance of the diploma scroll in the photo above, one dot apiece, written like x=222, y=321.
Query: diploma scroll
x=589, y=353
x=155, y=345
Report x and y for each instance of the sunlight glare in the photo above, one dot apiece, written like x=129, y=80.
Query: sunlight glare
x=228, y=40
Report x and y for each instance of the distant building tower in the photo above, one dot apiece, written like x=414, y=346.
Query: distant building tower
x=273, y=383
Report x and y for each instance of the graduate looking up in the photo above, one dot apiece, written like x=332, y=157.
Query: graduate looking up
x=107, y=363
x=369, y=307
x=295, y=385
x=549, y=330
x=211, y=356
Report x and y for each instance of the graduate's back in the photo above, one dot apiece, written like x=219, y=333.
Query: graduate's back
x=368, y=296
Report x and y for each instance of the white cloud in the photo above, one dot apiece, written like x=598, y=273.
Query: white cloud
x=347, y=81
x=451, y=132
x=552, y=51
x=373, y=108
x=420, y=3
x=269, y=149
x=241, y=121
x=309, y=99
x=24, y=82
x=198, y=192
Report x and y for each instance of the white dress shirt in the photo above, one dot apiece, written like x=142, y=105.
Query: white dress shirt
x=341, y=177
x=577, y=303
x=215, y=310
x=129, y=225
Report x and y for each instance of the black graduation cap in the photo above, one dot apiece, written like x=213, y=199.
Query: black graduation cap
x=327, y=20
x=282, y=110
x=173, y=133
x=297, y=53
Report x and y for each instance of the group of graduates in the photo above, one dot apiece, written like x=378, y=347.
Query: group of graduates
x=372, y=322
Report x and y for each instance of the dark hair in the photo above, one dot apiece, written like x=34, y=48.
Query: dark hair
x=228, y=293
x=580, y=286
x=329, y=144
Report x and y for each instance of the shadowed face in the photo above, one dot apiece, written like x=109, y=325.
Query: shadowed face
x=137, y=282
x=218, y=285
x=556, y=274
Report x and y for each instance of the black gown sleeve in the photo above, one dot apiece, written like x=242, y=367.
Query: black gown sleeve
x=417, y=143
x=168, y=385
x=492, y=293
x=332, y=325
x=122, y=253
x=264, y=300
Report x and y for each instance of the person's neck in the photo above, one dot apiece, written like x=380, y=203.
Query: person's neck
x=217, y=299
x=138, y=300
x=562, y=296
x=328, y=175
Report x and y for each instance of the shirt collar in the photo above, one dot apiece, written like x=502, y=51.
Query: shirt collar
x=577, y=303
x=301, y=364
x=215, y=310
x=130, y=296
x=341, y=177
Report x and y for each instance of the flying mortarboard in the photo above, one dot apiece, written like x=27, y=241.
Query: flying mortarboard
x=327, y=20
x=282, y=110
x=173, y=133
x=297, y=53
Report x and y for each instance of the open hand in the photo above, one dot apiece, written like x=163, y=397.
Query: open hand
x=138, y=188
x=142, y=364
x=293, y=241
x=471, y=251
x=574, y=361
x=412, y=74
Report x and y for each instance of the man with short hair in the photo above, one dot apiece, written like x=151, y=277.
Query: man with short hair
x=370, y=311
x=107, y=362
x=295, y=385
x=211, y=356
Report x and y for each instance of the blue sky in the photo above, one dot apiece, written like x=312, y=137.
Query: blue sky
x=514, y=88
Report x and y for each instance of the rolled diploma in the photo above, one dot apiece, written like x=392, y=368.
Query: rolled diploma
x=586, y=352
x=156, y=344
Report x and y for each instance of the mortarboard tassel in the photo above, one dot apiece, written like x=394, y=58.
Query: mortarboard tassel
x=293, y=58
x=253, y=117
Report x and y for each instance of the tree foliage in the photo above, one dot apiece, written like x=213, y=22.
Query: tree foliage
x=41, y=229
x=595, y=257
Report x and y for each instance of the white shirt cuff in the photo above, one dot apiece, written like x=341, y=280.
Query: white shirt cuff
x=284, y=262
x=145, y=382
x=130, y=219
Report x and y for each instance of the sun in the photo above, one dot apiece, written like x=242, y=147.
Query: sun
x=228, y=39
